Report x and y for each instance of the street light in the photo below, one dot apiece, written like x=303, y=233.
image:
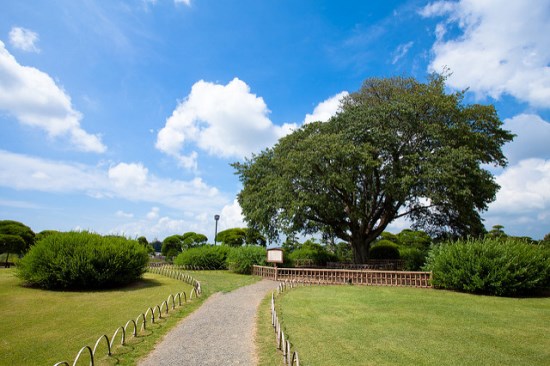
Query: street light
x=216, y=217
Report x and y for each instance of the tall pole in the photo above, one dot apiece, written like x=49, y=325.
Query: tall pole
x=216, y=217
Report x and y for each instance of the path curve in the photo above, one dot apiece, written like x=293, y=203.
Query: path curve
x=220, y=332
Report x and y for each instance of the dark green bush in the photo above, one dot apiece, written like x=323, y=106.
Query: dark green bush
x=384, y=249
x=82, y=260
x=307, y=256
x=490, y=266
x=207, y=256
x=414, y=258
x=241, y=259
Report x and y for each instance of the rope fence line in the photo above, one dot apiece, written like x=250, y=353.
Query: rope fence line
x=290, y=358
x=142, y=318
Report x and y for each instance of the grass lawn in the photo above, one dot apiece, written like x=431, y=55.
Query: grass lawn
x=44, y=327
x=354, y=325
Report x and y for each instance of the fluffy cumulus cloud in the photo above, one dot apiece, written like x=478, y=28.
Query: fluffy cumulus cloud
x=500, y=48
x=522, y=204
x=232, y=216
x=531, y=141
x=129, y=181
x=24, y=39
x=223, y=120
x=34, y=99
x=326, y=109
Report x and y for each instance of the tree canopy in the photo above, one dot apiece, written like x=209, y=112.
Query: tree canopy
x=236, y=237
x=397, y=148
x=10, y=227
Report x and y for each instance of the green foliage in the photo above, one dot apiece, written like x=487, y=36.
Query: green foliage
x=191, y=240
x=490, y=266
x=384, y=249
x=311, y=254
x=232, y=237
x=171, y=246
x=414, y=239
x=10, y=227
x=241, y=259
x=389, y=237
x=82, y=260
x=396, y=145
x=41, y=235
x=414, y=258
x=11, y=244
x=207, y=256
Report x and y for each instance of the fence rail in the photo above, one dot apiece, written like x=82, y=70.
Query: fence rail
x=346, y=276
x=143, y=318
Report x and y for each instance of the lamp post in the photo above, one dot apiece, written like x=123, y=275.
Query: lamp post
x=216, y=217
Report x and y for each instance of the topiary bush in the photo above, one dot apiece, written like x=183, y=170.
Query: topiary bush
x=82, y=260
x=241, y=260
x=502, y=267
x=384, y=249
x=207, y=256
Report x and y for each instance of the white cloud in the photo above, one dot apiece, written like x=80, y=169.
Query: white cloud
x=185, y=2
x=231, y=216
x=401, y=51
x=503, y=48
x=123, y=181
x=125, y=175
x=326, y=109
x=24, y=39
x=223, y=120
x=523, y=201
x=34, y=99
x=533, y=135
x=124, y=215
x=153, y=214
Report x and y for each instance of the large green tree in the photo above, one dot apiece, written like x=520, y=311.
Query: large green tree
x=397, y=148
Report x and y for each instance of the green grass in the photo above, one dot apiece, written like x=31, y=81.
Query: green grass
x=352, y=325
x=43, y=327
x=266, y=342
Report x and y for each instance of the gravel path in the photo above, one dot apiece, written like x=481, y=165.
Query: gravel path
x=220, y=332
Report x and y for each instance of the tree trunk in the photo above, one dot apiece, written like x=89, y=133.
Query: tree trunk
x=7, y=257
x=360, y=249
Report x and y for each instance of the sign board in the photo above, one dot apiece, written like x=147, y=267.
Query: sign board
x=275, y=255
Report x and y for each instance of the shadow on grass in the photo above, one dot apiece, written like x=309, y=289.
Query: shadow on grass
x=140, y=284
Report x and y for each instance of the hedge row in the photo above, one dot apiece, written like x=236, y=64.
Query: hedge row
x=491, y=266
x=238, y=260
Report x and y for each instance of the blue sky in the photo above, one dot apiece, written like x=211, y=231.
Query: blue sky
x=123, y=116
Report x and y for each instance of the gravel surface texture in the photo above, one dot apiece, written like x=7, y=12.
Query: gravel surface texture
x=220, y=332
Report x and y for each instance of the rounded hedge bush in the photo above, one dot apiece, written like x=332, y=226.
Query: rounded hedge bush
x=306, y=257
x=207, y=257
x=241, y=260
x=384, y=249
x=490, y=266
x=82, y=260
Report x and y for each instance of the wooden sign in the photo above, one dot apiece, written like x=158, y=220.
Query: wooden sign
x=275, y=255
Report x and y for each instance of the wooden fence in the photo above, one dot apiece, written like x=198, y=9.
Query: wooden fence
x=346, y=276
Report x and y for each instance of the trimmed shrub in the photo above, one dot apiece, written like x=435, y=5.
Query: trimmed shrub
x=241, y=260
x=82, y=260
x=307, y=257
x=207, y=257
x=490, y=266
x=384, y=249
